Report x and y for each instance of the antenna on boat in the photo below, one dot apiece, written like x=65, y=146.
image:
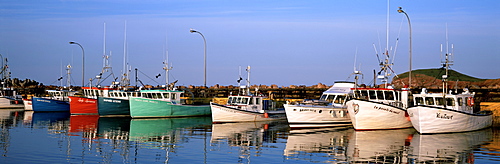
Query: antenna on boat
x=239, y=80
x=126, y=72
x=68, y=72
x=356, y=73
x=248, y=80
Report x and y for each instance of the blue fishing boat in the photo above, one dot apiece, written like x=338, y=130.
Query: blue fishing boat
x=56, y=101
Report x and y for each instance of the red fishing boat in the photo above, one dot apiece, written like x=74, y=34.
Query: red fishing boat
x=87, y=103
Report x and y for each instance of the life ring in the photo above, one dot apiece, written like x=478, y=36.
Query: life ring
x=470, y=101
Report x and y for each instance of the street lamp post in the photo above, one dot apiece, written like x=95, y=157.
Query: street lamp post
x=409, y=25
x=205, y=55
x=83, y=62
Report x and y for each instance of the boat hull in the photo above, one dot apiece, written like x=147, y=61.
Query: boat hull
x=28, y=104
x=113, y=107
x=428, y=119
x=304, y=116
x=221, y=113
x=40, y=104
x=368, y=115
x=143, y=107
x=83, y=106
x=8, y=103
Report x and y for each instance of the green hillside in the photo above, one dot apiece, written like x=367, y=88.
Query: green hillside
x=437, y=73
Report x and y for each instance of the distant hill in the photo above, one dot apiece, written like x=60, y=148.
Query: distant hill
x=432, y=79
x=439, y=72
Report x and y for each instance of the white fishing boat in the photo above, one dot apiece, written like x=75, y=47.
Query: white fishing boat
x=379, y=108
x=246, y=107
x=447, y=112
x=328, y=111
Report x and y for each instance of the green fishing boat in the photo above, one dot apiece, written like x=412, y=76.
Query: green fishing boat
x=164, y=103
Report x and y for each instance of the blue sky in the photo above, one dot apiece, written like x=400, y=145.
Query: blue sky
x=284, y=42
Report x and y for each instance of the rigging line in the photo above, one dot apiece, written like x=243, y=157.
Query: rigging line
x=148, y=76
x=397, y=40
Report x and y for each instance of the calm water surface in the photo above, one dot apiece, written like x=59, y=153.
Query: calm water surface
x=28, y=137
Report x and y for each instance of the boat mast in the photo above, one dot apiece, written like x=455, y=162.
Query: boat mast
x=68, y=79
x=126, y=72
x=166, y=67
x=248, y=80
x=447, y=63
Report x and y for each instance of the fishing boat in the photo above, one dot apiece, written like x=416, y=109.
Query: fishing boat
x=86, y=104
x=116, y=103
x=9, y=99
x=379, y=107
x=447, y=112
x=382, y=106
x=329, y=110
x=164, y=102
x=54, y=100
x=28, y=104
x=246, y=107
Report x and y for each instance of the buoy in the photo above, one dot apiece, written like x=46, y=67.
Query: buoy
x=266, y=115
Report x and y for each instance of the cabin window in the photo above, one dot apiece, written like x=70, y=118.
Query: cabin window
x=389, y=95
x=166, y=95
x=439, y=101
x=257, y=101
x=229, y=100
x=340, y=99
x=380, y=95
x=419, y=101
x=251, y=100
x=450, y=101
x=323, y=97
x=174, y=96
x=460, y=101
x=238, y=100
x=373, y=95
x=363, y=94
x=429, y=101
x=336, y=100
x=245, y=100
x=330, y=98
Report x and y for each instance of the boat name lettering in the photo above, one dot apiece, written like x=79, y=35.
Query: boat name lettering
x=47, y=101
x=113, y=101
x=444, y=116
x=304, y=110
x=86, y=101
x=148, y=101
x=386, y=109
x=228, y=110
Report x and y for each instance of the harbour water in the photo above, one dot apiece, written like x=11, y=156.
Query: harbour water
x=28, y=137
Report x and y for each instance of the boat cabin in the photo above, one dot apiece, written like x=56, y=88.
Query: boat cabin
x=61, y=95
x=383, y=95
x=93, y=92
x=251, y=103
x=164, y=95
x=337, y=94
x=461, y=102
x=119, y=94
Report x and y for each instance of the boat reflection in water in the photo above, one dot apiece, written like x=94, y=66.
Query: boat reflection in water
x=248, y=137
x=448, y=148
x=167, y=130
x=380, y=146
x=318, y=145
x=113, y=128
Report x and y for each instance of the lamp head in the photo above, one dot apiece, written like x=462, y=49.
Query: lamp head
x=192, y=30
x=72, y=42
x=400, y=10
